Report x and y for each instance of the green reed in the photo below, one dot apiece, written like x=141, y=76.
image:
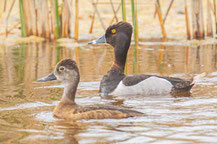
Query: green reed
x=123, y=6
x=135, y=34
x=56, y=18
x=22, y=19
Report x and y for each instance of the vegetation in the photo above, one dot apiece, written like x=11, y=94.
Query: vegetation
x=55, y=19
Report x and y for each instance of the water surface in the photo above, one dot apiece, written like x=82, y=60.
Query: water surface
x=26, y=106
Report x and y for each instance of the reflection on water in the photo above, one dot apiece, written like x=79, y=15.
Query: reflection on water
x=26, y=106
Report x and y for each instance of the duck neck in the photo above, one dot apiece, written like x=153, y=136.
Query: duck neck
x=121, y=50
x=70, y=91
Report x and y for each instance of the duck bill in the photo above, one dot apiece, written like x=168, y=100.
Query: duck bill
x=102, y=39
x=50, y=77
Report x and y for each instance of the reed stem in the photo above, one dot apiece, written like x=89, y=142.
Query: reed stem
x=22, y=19
x=134, y=15
x=214, y=11
x=56, y=17
x=209, y=31
x=197, y=16
x=123, y=6
x=187, y=21
x=76, y=20
x=161, y=22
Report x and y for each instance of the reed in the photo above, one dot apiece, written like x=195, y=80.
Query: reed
x=76, y=20
x=113, y=9
x=22, y=19
x=56, y=17
x=197, y=20
x=123, y=7
x=11, y=7
x=168, y=10
x=135, y=32
x=115, y=14
x=209, y=31
x=65, y=16
x=187, y=22
x=157, y=7
x=215, y=15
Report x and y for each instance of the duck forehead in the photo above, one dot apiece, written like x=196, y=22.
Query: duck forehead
x=119, y=27
x=67, y=63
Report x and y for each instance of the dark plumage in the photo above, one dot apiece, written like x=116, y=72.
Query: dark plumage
x=67, y=71
x=116, y=82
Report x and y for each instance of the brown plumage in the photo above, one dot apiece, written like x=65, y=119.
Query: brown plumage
x=67, y=72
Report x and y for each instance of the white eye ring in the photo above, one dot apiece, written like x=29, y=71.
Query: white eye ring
x=61, y=68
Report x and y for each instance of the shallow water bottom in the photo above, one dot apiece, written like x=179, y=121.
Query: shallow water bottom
x=26, y=106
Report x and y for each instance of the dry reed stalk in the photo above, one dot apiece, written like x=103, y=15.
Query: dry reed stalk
x=209, y=20
x=119, y=6
x=5, y=6
x=161, y=22
x=38, y=16
x=113, y=9
x=92, y=22
x=187, y=22
x=33, y=17
x=71, y=18
x=197, y=22
x=46, y=20
x=65, y=19
x=168, y=10
x=25, y=7
x=11, y=7
x=42, y=17
x=215, y=15
x=201, y=19
x=53, y=23
x=98, y=14
x=76, y=20
x=155, y=12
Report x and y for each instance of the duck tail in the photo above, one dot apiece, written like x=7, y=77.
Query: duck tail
x=197, y=77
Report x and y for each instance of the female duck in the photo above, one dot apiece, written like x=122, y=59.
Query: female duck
x=67, y=72
x=115, y=82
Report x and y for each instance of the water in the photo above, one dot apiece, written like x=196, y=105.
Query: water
x=26, y=106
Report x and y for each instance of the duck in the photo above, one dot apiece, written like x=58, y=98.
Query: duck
x=68, y=72
x=115, y=82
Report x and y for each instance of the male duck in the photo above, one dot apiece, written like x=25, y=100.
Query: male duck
x=67, y=72
x=115, y=82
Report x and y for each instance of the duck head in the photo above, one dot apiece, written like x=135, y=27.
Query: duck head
x=118, y=36
x=65, y=71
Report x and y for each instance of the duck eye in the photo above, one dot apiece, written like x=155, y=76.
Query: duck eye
x=113, y=31
x=61, y=68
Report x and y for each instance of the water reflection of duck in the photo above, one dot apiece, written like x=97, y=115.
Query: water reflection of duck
x=67, y=72
x=115, y=82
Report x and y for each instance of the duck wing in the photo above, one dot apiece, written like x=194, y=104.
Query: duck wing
x=103, y=112
x=179, y=85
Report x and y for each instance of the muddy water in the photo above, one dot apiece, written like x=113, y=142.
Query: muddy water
x=26, y=106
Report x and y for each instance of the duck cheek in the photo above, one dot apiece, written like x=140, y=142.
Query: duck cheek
x=60, y=78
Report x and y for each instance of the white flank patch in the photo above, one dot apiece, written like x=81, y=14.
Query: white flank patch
x=149, y=86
